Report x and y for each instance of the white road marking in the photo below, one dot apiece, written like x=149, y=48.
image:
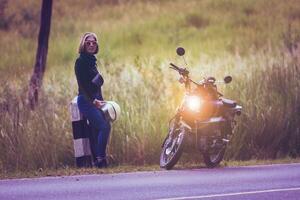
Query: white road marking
x=265, y=165
x=232, y=194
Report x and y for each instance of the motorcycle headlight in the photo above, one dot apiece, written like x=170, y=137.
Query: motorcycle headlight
x=193, y=102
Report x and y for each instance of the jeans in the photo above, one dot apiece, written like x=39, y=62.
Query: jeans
x=98, y=122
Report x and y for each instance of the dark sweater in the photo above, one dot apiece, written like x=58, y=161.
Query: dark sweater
x=88, y=78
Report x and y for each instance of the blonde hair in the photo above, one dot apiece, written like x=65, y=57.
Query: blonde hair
x=81, y=48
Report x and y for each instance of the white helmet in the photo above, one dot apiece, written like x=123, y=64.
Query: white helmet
x=111, y=110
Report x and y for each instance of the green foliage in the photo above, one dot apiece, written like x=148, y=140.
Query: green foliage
x=255, y=41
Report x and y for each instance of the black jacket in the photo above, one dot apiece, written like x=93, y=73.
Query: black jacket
x=88, y=78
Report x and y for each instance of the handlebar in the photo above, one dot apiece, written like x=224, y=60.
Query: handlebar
x=210, y=81
x=174, y=67
x=185, y=72
x=181, y=71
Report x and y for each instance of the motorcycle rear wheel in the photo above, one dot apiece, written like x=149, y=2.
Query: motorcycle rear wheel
x=213, y=159
x=172, y=150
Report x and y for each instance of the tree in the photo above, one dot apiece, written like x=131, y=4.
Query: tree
x=41, y=54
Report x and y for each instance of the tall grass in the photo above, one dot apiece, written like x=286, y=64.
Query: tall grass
x=137, y=41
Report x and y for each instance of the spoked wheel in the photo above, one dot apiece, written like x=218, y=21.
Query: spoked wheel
x=172, y=150
x=214, y=155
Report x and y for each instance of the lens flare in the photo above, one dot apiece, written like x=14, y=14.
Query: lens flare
x=193, y=102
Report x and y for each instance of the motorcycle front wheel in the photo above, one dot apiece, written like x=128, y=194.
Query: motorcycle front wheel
x=172, y=150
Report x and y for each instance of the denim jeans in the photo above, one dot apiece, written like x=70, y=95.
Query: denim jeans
x=98, y=122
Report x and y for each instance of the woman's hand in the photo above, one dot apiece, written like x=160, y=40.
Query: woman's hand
x=98, y=103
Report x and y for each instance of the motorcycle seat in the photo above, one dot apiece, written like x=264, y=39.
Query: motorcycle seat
x=228, y=102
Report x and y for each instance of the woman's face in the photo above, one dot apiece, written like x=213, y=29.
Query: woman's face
x=90, y=45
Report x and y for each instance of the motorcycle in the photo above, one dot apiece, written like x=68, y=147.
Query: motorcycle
x=204, y=120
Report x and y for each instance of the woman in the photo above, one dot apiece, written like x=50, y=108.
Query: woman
x=90, y=96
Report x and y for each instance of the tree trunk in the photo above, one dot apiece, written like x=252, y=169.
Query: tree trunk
x=41, y=54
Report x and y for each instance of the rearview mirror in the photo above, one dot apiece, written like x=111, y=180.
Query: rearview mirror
x=227, y=79
x=180, y=51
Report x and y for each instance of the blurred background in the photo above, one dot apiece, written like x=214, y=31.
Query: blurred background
x=257, y=42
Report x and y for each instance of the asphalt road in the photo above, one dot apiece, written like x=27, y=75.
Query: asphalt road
x=253, y=182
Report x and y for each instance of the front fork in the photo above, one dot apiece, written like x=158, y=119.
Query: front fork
x=172, y=127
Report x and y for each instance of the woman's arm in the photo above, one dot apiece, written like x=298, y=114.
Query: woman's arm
x=83, y=80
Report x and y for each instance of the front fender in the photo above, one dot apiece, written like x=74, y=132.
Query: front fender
x=182, y=124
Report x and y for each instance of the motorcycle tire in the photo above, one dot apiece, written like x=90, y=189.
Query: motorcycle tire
x=213, y=160
x=169, y=161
